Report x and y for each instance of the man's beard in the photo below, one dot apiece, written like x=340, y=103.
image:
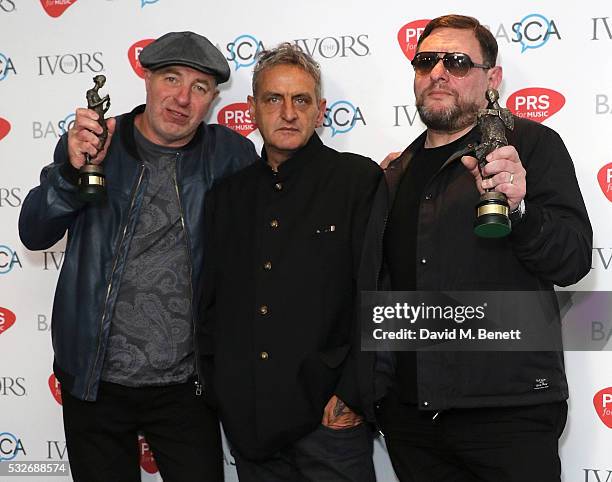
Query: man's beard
x=450, y=119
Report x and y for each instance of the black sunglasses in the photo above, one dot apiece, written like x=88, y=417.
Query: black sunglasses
x=456, y=63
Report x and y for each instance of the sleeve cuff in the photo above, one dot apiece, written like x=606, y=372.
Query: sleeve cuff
x=530, y=225
x=70, y=173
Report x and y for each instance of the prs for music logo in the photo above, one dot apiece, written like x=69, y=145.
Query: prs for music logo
x=603, y=405
x=237, y=117
x=55, y=8
x=55, y=387
x=7, y=319
x=408, y=36
x=604, y=176
x=5, y=127
x=134, y=54
x=147, y=460
x=535, y=103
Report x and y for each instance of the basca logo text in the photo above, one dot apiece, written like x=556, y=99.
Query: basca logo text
x=342, y=116
x=53, y=129
x=6, y=66
x=9, y=259
x=242, y=51
x=531, y=32
x=10, y=446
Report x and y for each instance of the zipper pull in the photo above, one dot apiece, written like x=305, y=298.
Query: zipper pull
x=198, y=388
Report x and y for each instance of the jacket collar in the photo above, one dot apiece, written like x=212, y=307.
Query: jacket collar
x=396, y=168
x=296, y=162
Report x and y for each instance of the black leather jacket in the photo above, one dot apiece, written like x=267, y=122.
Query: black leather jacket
x=550, y=246
x=99, y=236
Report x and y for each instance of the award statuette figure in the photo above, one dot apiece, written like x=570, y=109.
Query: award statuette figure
x=91, y=176
x=492, y=211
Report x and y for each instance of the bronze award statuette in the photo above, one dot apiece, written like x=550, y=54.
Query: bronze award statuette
x=492, y=211
x=91, y=176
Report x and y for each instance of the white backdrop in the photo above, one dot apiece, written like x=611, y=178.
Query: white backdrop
x=51, y=49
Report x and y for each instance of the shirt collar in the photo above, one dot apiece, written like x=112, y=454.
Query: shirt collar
x=299, y=159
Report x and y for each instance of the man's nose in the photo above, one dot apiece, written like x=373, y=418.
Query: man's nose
x=288, y=111
x=439, y=71
x=183, y=95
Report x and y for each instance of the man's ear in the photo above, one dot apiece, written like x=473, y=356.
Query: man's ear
x=321, y=114
x=251, y=102
x=495, y=75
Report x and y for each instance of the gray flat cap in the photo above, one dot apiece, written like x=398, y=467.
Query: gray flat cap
x=188, y=49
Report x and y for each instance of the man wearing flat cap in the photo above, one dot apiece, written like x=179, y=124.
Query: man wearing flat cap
x=125, y=312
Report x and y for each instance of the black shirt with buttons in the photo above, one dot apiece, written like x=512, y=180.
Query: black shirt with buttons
x=283, y=253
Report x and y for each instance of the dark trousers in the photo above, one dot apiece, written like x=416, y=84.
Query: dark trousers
x=181, y=430
x=325, y=455
x=514, y=444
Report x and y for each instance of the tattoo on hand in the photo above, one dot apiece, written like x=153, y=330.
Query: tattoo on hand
x=340, y=408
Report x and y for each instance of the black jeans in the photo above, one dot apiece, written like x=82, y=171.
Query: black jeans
x=181, y=430
x=512, y=444
x=325, y=455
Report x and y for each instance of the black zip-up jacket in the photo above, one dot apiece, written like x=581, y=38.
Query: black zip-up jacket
x=99, y=236
x=550, y=246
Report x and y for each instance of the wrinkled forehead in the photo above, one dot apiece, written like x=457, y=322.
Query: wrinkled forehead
x=286, y=78
x=453, y=40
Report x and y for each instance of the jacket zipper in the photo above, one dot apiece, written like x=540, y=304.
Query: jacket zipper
x=198, y=383
x=381, y=252
x=110, y=281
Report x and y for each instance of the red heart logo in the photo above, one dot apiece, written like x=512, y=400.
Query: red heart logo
x=408, y=36
x=604, y=176
x=7, y=319
x=5, y=127
x=55, y=8
x=134, y=53
x=237, y=117
x=603, y=405
x=535, y=103
x=147, y=461
x=55, y=388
